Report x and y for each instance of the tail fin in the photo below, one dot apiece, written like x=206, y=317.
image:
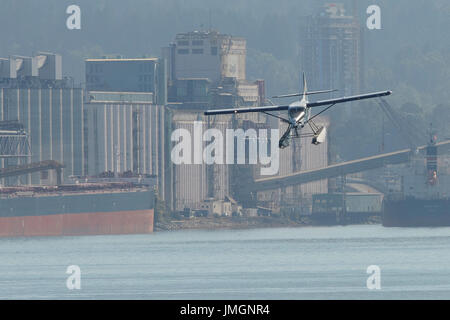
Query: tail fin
x=305, y=87
x=305, y=91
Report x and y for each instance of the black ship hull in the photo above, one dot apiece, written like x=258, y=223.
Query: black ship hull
x=416, y=213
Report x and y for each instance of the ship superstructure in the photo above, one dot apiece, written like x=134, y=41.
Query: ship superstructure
x=424, y=199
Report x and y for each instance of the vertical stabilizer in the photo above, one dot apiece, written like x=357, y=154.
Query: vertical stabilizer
x=305, y=87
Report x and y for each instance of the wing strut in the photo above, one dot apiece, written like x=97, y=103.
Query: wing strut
x=272, y=115
x=322, y=111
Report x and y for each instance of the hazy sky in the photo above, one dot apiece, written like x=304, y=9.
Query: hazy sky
x=409, y=55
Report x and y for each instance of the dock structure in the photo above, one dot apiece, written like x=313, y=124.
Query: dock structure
x=32, y=168
x=340, y=169
x=14, y=140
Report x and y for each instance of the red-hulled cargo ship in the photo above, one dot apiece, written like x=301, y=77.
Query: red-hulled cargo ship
x=85, y=209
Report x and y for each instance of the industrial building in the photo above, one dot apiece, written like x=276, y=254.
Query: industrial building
x=125, y=118
x=44, y=70
x=54, y=120
x=206, y=70
x=206, y=54
x=301, y=155
x=126, y=135
x=34, y=93
x=88, y=132
x=193, y=184
x=332, y=50
x=122, y=124
x=203, y=66
x=191, y=91
x=121, y=74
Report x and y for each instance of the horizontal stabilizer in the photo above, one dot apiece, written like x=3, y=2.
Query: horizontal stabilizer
x=306, y=93
x=246, y=110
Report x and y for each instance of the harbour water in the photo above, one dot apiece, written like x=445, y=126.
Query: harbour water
x=284, y=263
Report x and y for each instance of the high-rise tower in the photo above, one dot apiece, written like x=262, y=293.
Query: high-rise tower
x=332, y=50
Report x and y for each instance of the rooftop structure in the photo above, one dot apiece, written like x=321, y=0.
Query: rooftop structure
x=121, y=74
x=44, y=70
x=207, y=54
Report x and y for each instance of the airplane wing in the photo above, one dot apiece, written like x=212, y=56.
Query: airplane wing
x=348, y=99
x=245, y=110
x=306, y=93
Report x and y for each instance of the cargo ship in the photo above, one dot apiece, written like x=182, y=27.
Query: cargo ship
x=72, y=210
x=424, y=196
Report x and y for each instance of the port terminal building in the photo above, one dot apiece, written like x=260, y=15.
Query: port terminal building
x=125, y=117
x=113, y=127
x=51, y=110
x=207, y=70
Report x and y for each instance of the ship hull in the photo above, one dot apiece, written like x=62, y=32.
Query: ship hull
x=80, y=214
x=95, y=223
x=416, y=213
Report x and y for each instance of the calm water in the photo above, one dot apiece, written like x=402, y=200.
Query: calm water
x=294, y=263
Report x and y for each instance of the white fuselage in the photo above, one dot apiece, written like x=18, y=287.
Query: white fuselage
x=297, y=112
